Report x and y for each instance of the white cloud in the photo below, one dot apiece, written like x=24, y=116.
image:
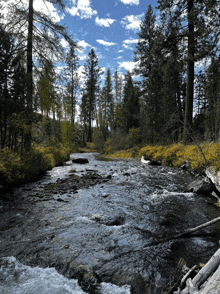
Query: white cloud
x=104, y=22
x=106, y=43
x=83, y=44
x=128, y=65
x=127, y=43
x=130, y=2
x=120, y=51
x=82, y=9
x=40, y=5
x=120, y=57
x=82, y=57
x=131, y=41
x=47, y=9
x=127, y=47
x=132, y=22
x=64, y=43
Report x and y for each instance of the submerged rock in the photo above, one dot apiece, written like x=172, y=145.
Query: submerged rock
x=80, y=160
x=117, y=220
x=154, y=163
x=202, y=187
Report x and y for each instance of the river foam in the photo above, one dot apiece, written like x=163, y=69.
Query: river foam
x=17, y=278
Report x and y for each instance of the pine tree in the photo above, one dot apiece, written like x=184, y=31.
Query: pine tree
x=200, y=108
x=107, y=106
x=201, y=33
x=148, y=66
x=42, y=36
x=153, y=103
x=12, y=91
x=142, y=54
x=173, y=72
x=118, y=89
x=88, y=107
x=72, y=85
x=212, y=91
x=46, y=88
x=131, y=106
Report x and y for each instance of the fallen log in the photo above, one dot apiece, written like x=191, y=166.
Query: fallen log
x=192, y=230
x=185, y=233
x=207, y=280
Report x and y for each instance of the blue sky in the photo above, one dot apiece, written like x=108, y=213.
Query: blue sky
x=110, y=27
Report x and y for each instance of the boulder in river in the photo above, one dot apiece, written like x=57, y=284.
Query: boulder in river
x=80, y=160
x=202, y=187
x=154, y=162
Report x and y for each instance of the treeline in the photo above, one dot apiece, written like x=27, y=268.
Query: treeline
x=167, y=98
x=170, y=96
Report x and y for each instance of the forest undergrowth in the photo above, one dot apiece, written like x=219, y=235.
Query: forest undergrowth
x=196, y=157
x=17, y=169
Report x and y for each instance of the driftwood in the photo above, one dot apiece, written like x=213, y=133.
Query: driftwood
x=186, y=276
x=185, y=233
x=189, y=231
x=207, y=281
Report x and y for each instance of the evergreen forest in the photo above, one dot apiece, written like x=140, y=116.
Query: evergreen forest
x=171, y=97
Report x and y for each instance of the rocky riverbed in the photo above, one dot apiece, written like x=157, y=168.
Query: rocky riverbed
x=92, y=227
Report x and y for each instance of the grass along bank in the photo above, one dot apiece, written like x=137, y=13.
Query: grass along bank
x=197, y=157
x=16, y=170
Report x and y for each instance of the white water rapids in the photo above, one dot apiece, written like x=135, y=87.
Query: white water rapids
x=17, y=278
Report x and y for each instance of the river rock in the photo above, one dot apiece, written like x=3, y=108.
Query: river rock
x=154, y=162
x=213, y=174
x=202, y=187
x=80, y=160
x=117, y=220
x=88, y=279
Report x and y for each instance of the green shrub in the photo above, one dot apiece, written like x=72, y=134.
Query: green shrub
x=133, y=138
x=98, y=139
x=11, y=168
x=109, y=147
x=16, y=170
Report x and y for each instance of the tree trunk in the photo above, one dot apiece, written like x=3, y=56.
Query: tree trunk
x=27, y=138
x=190, y=74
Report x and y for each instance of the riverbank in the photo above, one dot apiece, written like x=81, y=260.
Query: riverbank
x=16, y=169
x=193, y=157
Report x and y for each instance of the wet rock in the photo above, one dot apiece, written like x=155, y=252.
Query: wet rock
x=105, y=195
x=80, y=160
x=138, y=286
x=168, y=220
x=116, y=221
x=135, y=280
x=88, y=280
x=185, y=166
x=202, y=187
x=154, y=162
x=61, y=200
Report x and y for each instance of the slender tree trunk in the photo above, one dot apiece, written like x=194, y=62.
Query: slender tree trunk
x=190, y=75
x=27, y=138
x=72, y=99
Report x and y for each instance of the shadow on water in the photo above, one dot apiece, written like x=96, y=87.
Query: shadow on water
x=96, y=226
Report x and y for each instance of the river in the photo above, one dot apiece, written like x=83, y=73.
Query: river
x=60, y=238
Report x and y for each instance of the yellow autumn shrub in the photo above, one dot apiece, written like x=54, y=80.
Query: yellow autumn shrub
x=198, y=156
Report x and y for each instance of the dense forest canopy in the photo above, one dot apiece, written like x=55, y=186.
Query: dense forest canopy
x=169, y=97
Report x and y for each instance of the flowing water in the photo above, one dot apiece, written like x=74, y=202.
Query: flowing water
x=100, y=239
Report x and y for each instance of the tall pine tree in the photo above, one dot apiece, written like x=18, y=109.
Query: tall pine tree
x=200, y=23
x=92, y=86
